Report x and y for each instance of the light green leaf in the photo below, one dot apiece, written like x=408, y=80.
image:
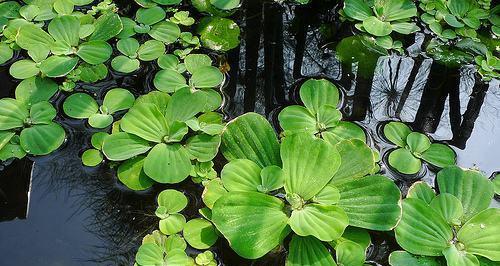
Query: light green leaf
x=122, y=146
x=308, y=251
x=449, y=207
x=308, y=164
x=254, y=223
x=149, y=254
x=398, y=10
x=128, y=46
x=455, y=257
x=36, y=89
x=118, y=99
x=421, y=190
x=404, y=161
x=219, y=34
x=403, y=258
x=250, y=136
x=297, y=118
x=200, y=233
x=357, y=161
x=272, y=179
x=42, y=113
x=165, y=31
x=472, y=188
x=325, y=222
x=372, y=202
x=318, y=92
x=168, y=61
x=203, y=147
x=350, y=253
x=107, y=26
x=124, y=64
x=80, y=106
x=172, y=200
x=150, y=16
x=42, y=139
x=422, y=231
x=439, y=155
x=24, y=69
x=196, y=61
x=397, y=132
x=405, y=27
x=92, y=157
x=329, y=195
x=206, y=77
x=214, y=189
x=241, y=175
x=225, y=4
x=30, y=35
x=357, y=9
x=146, y=121
x=168, y=80
x=376, y=27
x=13, y=113
x=58, y=66
x=95, y=52
x=459, y=7
x=342, y=131
x=167, y=163
x=480, y=234
x=173, y=224
x=97, y=139
x=418, y=142
x=6, y=53
x=185, y=104
x=100, y=120
x=151, y=50
x=130, y=173
x=65, y=29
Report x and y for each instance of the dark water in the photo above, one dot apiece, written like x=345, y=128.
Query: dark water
x=67, y=214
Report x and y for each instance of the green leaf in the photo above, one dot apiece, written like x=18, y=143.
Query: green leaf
x=157, y=98
x=318, y=92
x=92, y=158
x=167, y=163
x=459, y=7
x=185, y=104
x=118, y=99
x=150, y=16
x=58, y=66
x=403, y=258
x=449, y=207
x=472, y=188
x=165, y=31
x=24, y=69
x=297, y=118
x=405, y=27
x=149, y=254
x=206, y=77
x=357, y=235
x=453, y=21
x=169, y=61
x=65, y=29
x=168, y=80
x=128, y=46
x=397, y=132
x=325, y=222
x=454, y=257
x=357, y=9
x=253, y=223
x=418, y=142
x=30, y=36
x=241, y=175
x=329, y=195
x=350, y=253
x=342, y=131
x=308, y=251
x=11, y=151
x=151, y=50
x=422, y=231
x=219, y=34
x=122, y=146
x=130, y=173
x=6, y=53
x=271, y=179
x=124, y=64
x=95, y=52
x=36, y=89
x=398, y=10
x=172, y=224
x=97, y=140
x=203, y=147
x=439, y=155
x=80, y=106
x=250, y=136
x=225, y=4
x=42, y=113
x=146, y=121
x=372, y=202
x=107, y=26
x=172, y=200
x=42, y=139
x=376, y=27
x=421, y=190
x=214, y=189
x=196, y=61
x=404, y=161
x=480, y=234
x=356, y=161
x=13, y=113
x=200, y=233
x=100, y=120
x=64, y=7
x=308, y=164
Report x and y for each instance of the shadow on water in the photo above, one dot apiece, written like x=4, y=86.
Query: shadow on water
x=67, y=214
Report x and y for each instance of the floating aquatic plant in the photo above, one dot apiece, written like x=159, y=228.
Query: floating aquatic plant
x=414, y=147
x=456, y=223
x=325, y=185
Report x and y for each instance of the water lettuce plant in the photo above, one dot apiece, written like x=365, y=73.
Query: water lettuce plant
x=488, y=66
x=319, y=115
x=219, y=34
x=304, y=185
x=167, y=130
x=414, y=147
x=83, y=106
x=380, y=18
x=450, y=18
x=457, y=223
